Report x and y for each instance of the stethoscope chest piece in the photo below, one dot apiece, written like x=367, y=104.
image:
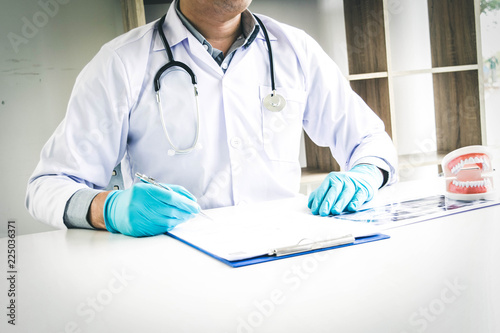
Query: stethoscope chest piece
x=274, y=102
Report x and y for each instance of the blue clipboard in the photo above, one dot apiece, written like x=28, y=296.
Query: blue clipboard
x=266, y=258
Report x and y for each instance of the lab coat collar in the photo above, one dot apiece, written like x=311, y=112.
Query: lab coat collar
x=173, y=28
x=261, y=35
x=176, y=32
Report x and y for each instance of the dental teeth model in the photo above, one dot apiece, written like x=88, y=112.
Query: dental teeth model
x=469, y=173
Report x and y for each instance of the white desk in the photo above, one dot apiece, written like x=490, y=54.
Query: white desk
x=436, y=276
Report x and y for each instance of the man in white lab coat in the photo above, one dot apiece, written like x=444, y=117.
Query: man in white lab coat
x=244, y=152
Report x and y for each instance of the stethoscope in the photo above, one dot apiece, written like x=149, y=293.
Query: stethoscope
x=273, y=102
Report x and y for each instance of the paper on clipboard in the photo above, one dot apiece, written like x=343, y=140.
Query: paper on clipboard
x=243, y=232
x=246, y=235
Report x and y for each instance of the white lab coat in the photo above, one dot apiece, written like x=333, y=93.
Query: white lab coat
x=247, y=153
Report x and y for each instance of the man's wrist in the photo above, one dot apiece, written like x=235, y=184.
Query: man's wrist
x=77, y=207
x=95, y=214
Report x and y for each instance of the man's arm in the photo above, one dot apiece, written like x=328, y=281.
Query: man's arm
x=336, y=117
x=95, y=215
x=86, y=146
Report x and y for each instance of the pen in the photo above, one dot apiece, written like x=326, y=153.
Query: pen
x=153, y=181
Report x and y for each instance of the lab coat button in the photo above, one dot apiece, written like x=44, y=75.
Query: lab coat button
x=236, y=142
x=224, y=65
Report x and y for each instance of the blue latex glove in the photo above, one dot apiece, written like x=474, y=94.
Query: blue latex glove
x=345, y=190
x=147, y=210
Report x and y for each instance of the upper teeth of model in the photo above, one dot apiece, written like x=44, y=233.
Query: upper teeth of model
x=471, y=160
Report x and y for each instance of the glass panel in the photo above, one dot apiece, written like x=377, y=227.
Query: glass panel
x=490, y=32
x=415, y=120
x=332, y=37
x=409, y=35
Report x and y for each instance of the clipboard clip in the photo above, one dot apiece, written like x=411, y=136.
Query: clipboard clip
x=283, y=251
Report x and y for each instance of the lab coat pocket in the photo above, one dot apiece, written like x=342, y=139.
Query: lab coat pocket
x=281, y=130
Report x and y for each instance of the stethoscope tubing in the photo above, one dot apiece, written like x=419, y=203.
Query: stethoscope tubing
x=173, y=63
x=270, y=52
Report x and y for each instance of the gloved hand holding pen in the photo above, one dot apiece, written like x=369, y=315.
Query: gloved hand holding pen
x=342, y=191
x=147, y=210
